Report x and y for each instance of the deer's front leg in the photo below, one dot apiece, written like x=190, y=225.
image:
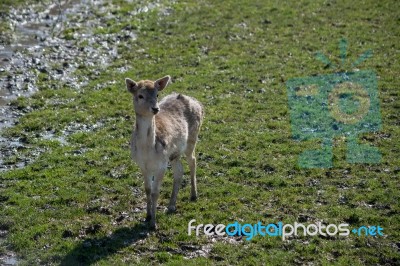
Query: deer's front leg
x=155, y=193
x=147, y=187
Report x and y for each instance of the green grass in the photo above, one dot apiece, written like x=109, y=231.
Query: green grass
x=83, y=202
x=6, y=4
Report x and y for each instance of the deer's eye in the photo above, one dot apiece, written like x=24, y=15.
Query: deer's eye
x=141, y=97
x=157, y=95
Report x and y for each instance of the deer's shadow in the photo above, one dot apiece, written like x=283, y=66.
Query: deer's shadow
x=91, y=250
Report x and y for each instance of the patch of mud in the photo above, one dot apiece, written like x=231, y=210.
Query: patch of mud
x=54, y=42
x=57, y=40
x=8, y=257
x=17, y=154
x=31, y=29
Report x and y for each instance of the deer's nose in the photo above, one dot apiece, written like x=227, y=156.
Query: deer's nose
x=155, y=110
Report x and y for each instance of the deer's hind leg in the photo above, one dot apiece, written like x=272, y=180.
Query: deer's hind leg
x=177, y=168
x=191, y=159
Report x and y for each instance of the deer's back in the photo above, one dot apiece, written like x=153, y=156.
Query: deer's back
x=179, y=118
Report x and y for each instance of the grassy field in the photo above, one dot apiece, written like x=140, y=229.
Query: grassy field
x=82, y=200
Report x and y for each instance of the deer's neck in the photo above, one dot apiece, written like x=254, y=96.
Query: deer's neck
x=145, y=131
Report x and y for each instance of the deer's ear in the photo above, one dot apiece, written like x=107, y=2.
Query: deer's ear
x=131, y=85
x=161, y=83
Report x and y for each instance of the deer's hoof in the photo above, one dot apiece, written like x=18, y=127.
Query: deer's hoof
x=193, y=197
x=148, y=218
x=153, y=226
x=171, y=209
